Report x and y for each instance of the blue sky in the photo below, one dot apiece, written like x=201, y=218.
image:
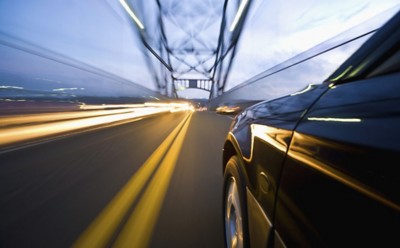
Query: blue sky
x=85, y=33
x=97, y=33
x=278, y=30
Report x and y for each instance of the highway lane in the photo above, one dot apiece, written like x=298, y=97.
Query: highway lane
x=79, y=190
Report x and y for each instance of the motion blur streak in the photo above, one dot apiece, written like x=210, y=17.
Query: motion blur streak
x=25, y=133
x=334, y=119
x=132, y=14
x=35, y=118
x=105, y=106
x=138, y=230
x=103, y=227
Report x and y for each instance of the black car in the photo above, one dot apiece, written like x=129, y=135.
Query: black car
x=321, y=167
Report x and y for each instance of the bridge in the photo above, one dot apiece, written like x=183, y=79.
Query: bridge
x=189, y=39
x=162, y=49
x=100, y=143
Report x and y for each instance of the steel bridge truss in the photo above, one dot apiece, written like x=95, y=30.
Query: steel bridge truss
x=190, y=43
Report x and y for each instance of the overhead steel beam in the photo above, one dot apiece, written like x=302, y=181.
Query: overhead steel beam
x=191, y=39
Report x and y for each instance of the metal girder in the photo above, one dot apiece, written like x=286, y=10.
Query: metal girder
x=193, y=40
x=183, y=84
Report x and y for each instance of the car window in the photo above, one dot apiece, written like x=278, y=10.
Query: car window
x=376, y=57
x=389, y=66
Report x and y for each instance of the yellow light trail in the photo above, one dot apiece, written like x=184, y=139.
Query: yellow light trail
x=95, y=110
x=100, y=231
x=25, y=128
x=35, y=118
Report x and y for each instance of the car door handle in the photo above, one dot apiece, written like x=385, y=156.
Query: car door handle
x=264, y=182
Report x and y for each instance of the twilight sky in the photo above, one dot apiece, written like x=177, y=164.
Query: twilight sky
x=278, y=30
x=43, y=42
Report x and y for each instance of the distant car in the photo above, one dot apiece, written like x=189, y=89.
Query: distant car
x=321, y=167
x=228, y=109
x=201, y=109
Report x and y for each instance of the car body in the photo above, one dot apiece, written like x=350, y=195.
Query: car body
x=320, y=168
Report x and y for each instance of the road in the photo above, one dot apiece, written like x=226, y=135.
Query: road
x=153, y=182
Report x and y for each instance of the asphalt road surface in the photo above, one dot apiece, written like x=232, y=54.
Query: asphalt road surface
x=154, y=182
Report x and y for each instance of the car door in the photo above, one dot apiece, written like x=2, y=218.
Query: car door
x=340, y=184
x=271, y=127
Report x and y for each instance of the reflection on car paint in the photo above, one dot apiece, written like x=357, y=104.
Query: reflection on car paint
x=308, y=150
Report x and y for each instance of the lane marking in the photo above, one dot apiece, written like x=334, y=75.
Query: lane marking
x=100, y=231
x=139, y=227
